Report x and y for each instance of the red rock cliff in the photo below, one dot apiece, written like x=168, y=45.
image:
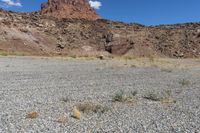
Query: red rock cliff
x=69, y=9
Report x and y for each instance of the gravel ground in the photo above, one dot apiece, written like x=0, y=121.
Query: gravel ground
x=40, y=85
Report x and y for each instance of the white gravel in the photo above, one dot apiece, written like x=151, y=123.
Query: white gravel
x=33, y=84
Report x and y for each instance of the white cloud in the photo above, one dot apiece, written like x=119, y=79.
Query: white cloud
x=95, y=4
x=12, y=3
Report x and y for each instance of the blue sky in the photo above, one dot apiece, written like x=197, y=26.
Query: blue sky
x=149, y=12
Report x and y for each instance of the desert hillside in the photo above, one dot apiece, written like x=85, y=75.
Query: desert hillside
x=63, y=27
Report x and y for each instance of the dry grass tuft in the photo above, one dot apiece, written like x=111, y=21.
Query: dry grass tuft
x=62, y=120
x=76, y=113
x=92, y=107
x=32, y=115
x=168, y=100
x=129, y=57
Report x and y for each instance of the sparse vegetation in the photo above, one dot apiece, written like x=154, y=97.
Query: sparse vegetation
x=130, y=57
x=151, y=58
x=133, y=66
x=62, y=120
x=184, y=82
x=65, y=99
x=134, y=93
x=168, y=100
x=152, y=96
x=3, y=53
x=73, y=56
x=87, y=73
x=167, y=97
x=164, y=97
x=167, y=70
x=92, y=107
x=121, y=96
x=101, y=57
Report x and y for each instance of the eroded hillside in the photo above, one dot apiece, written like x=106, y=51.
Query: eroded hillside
x=36, y=34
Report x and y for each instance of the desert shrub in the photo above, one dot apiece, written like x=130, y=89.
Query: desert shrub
x=65, y=99
x=134, y=93
x=152, y=96
x=164, y=96
x=167, y=70
x=3, y=53
x=184, y=82
x=92, y=107
x=121, y=96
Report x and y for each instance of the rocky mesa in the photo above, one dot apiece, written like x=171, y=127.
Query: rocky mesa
x=69, y=9
x=72, y=27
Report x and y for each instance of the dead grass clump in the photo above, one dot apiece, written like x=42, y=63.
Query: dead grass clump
x=62, y=120
x=168, y=100
x=32, y=115
x=76, y=113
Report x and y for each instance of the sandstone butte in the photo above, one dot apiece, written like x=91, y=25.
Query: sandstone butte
x=69, y=9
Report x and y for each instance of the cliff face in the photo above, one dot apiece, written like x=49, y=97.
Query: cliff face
x=69, y=9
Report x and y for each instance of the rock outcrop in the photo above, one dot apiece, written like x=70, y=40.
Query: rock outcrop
x=38, y=34
x=69, y=9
